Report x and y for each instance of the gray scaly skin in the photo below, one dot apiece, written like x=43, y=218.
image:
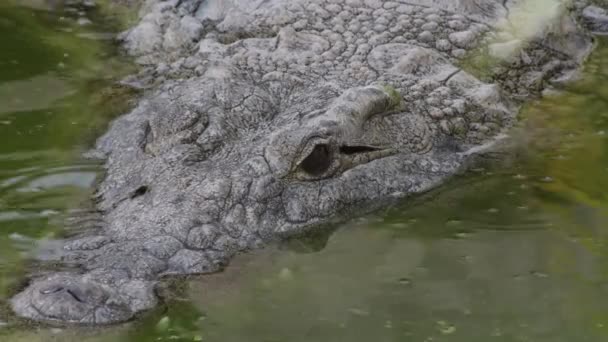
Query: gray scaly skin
x=265, y=119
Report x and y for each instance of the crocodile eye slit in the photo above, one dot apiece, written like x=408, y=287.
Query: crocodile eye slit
x=348, y=150
x=318, y=161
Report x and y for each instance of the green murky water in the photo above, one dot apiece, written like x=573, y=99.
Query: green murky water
x=515, y=251
x=56, y=94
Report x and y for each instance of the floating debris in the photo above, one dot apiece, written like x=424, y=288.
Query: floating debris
x=539, y=274
x=405, y=281
x=286, y=274
x=163, y=324
x=82, y=21
x=453, y=222
x=446, y=328
x=358, y=312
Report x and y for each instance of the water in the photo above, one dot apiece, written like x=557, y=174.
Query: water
x=515, y=250
x=56, y=94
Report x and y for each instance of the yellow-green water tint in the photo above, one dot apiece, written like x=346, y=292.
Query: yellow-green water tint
x=55, y=80
x=515, y=250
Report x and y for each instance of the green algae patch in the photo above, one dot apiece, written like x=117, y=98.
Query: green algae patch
x=394, y=95
x=123, y=13
x=527, y=20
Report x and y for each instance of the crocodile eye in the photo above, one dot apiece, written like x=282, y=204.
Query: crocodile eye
x=318, y=161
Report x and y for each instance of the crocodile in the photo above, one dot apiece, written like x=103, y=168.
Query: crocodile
x=262, y=120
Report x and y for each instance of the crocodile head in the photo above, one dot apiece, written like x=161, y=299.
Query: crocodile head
x=273, y=135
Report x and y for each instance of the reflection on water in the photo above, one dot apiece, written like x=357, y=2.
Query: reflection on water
x=516, y=250
x=49, y=107
x=38, y=92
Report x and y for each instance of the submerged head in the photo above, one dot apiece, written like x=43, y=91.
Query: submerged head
x=191, y=180
x=271, y=137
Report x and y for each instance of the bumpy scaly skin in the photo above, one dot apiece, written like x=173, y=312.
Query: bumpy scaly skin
x=267, y=118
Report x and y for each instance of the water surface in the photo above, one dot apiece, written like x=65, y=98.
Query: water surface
x=56, y=94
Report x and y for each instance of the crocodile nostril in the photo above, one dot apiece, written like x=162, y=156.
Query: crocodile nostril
x=50, y=290
x=74, y=292
x=142, y=190
x=77, y=295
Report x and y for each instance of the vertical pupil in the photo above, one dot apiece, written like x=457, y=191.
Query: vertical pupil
x=318, y=160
